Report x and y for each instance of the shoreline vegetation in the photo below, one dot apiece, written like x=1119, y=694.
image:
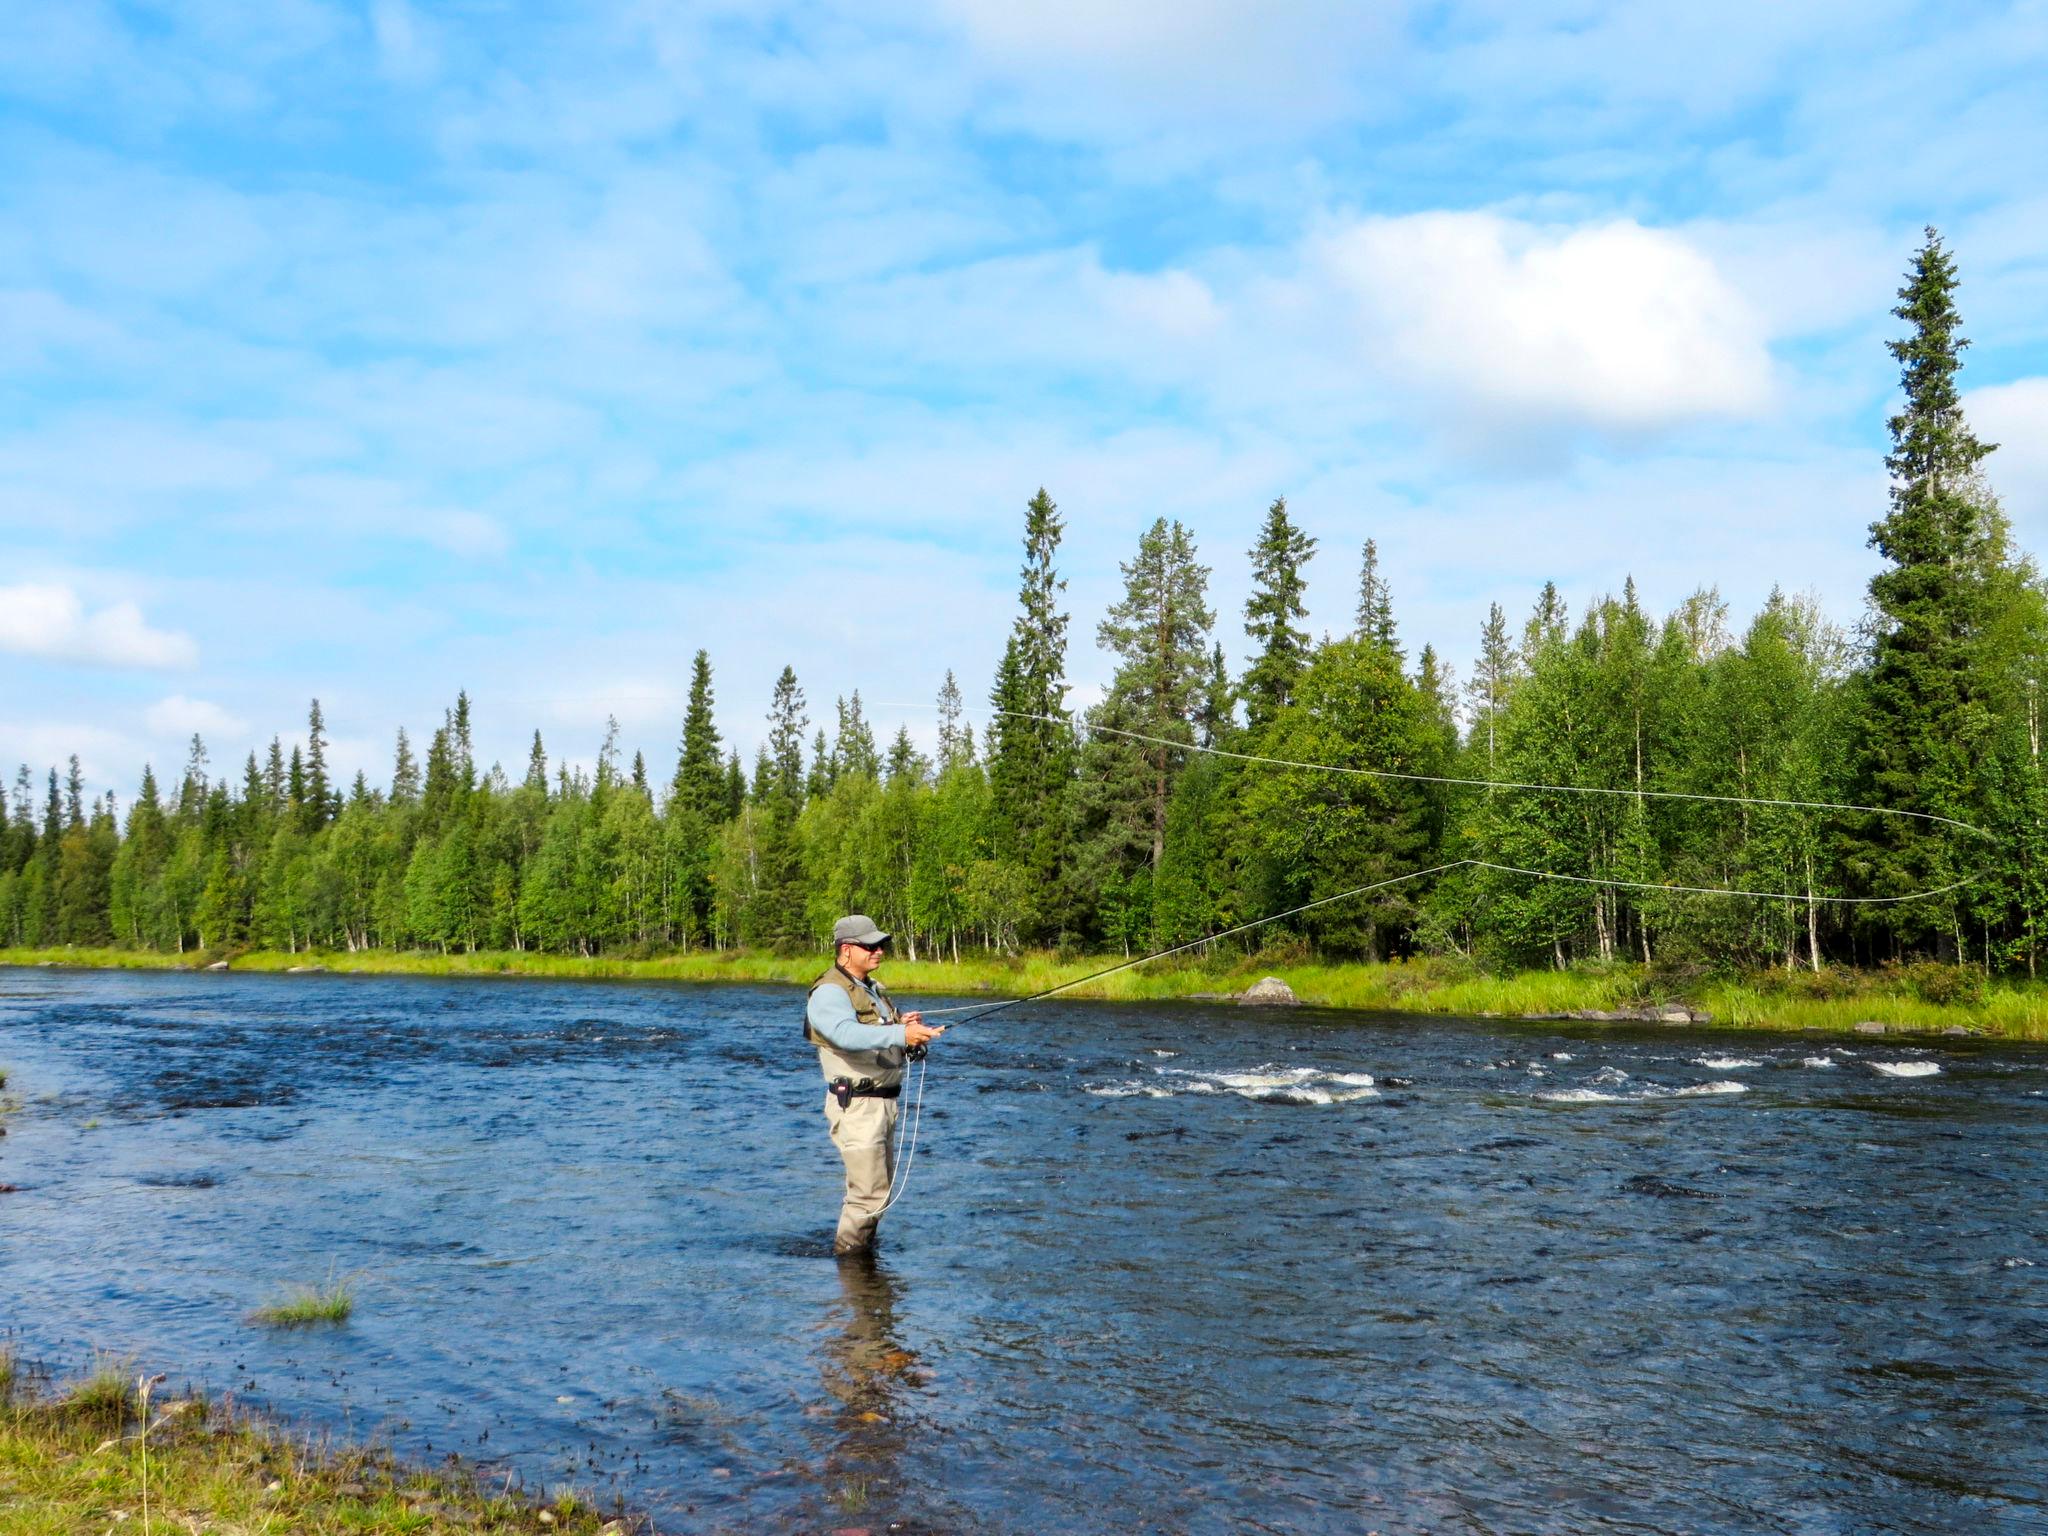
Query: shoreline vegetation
x=97, y=1454
x=1922, y=998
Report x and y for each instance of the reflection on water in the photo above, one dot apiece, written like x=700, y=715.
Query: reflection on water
x=1181, y=1269
x=868, y=1374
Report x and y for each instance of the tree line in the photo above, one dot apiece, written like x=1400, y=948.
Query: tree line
x=1113, y=831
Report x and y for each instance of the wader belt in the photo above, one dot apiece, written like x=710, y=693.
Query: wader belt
x=846, y=1090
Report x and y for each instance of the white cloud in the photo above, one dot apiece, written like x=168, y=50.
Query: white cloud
x=2015, y=416
x=1612, y=327
x=180, y=716
x=53, y=622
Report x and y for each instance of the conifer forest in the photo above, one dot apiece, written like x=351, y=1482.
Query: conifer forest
x=1033, y=833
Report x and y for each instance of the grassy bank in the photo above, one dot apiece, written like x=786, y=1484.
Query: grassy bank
x=98, y=1455
x=1905, y=998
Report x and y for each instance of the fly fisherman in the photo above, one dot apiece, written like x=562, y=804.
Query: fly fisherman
x=862, y=1044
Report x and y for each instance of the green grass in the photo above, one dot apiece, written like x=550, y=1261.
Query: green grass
x=1838, y=1000
x=84, y=1461
x=309, y=1307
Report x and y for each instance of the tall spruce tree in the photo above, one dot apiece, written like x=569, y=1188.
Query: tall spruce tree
x=1487, y=693
x=1270, y=615
x=1031, y=749
x=700, y=779
x=1918, y=721
x=320, y=798
x=1160, y=629
x=405, y=772
x=776, y=914
x=1375, y=601
x=956, y=736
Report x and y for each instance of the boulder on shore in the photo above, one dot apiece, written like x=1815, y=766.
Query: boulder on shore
x=1869, y=1027
x=1269, y=992
x=218, y=965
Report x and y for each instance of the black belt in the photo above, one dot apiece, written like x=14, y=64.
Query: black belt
x=845, y=1090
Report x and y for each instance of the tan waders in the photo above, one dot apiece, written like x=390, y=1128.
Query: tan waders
x=860, y=1108
x=865, y=1134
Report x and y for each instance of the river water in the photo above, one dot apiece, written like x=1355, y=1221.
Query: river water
x=1168, y=1269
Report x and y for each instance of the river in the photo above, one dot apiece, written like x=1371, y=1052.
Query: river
x=1161, y=1268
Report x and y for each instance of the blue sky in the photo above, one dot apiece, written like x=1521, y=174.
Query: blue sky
x=379, y=350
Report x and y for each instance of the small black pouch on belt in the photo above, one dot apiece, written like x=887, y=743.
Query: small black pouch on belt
x=846, y=1090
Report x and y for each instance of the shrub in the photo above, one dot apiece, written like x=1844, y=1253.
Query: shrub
x=1943, y=985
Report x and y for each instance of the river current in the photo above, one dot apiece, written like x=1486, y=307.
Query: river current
x=1190, y=1268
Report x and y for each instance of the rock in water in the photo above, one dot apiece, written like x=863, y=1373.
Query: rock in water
x=1270, y=992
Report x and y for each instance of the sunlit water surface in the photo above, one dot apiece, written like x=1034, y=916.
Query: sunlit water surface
x=1158, y=1269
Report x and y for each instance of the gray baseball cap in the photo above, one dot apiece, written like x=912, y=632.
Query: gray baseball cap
x=857, y=929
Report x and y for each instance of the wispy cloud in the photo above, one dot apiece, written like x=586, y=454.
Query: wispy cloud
x=53, y=623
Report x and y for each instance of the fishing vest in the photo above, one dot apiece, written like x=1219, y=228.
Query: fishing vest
x=880, y=1068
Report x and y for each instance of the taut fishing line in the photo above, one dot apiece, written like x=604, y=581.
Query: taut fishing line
x=908, y=1126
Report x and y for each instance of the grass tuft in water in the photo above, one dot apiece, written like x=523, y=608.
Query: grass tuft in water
x=310, y=1307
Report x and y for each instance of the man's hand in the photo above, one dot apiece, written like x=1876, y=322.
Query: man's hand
x=916, y=1032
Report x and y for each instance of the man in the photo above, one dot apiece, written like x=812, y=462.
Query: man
x=862, y=1043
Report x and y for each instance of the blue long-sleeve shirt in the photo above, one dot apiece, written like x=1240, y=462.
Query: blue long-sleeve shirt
x=831, y=1015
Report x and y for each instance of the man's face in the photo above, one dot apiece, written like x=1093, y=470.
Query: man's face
x=860, y=961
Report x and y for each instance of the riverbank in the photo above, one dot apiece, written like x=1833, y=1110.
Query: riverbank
x=1914, y=998
x=98, y=1454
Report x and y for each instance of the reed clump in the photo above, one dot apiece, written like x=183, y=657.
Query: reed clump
x=329, y=1304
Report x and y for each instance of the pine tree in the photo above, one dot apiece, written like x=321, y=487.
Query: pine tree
x=1278, y=559
x=1920, y=720
x=735, y=785
x=273, y=776
x=853, y=750
x=701, y=777
x=1549, y=622
x=1161, y=630
x=537, y=766
x=1492, y=676
x=824, y=770
x=405, y=772
x=1031, y=747
x=318, y=804
x=787, y=723
x=1375, y=602
x=956, y=736
x=461, y=743
x=192, y=787
x=1216, y=716
x=905, y=761
x=74, y=795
